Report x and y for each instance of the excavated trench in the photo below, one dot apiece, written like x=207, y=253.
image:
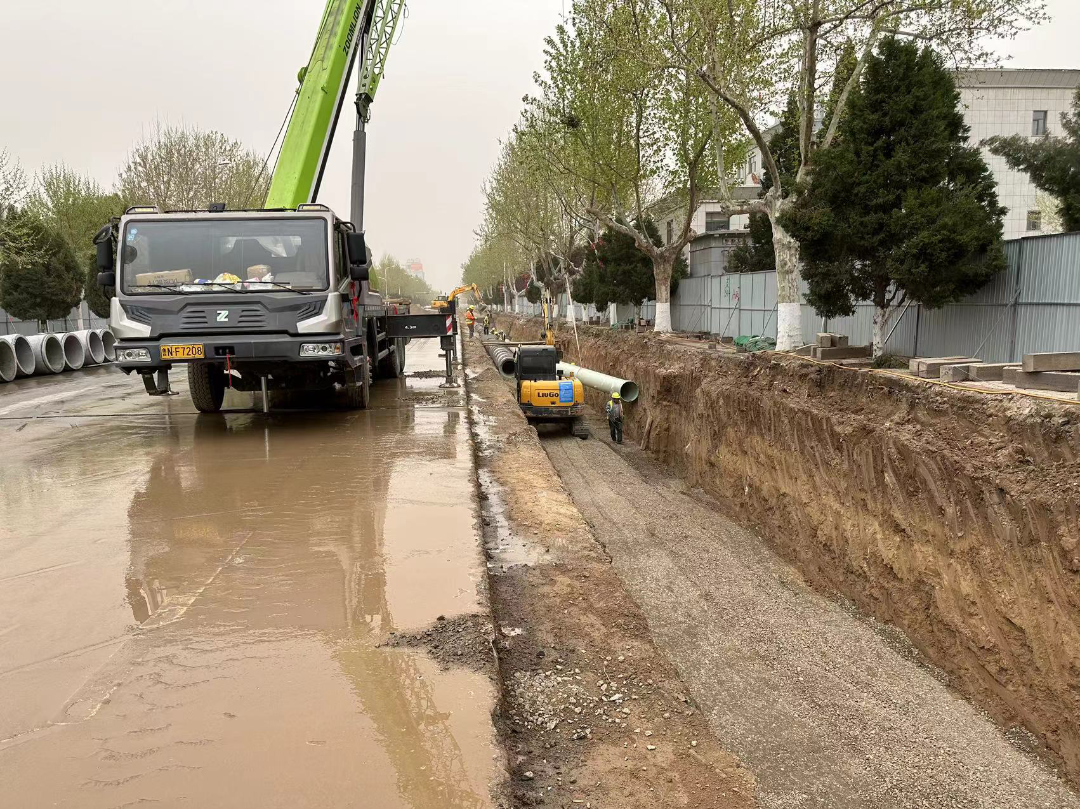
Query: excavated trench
x=953, y=516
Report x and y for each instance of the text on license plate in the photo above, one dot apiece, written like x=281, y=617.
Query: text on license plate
x=182, y=352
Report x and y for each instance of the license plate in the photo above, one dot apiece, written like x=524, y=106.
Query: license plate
x=182, y=352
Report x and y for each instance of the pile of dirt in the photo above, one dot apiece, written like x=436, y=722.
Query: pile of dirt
x=593, y=713
x=954, y=516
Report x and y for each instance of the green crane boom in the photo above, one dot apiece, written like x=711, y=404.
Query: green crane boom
x=347, y=27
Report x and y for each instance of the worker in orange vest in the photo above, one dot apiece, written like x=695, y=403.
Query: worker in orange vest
x=470, y=318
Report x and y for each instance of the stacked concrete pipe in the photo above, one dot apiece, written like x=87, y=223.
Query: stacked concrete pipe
x=504, y=358
x=108, y=342
x=9, y=366
x=24, y=354
x=74, y=351
x=93, y=346
x=48, y=353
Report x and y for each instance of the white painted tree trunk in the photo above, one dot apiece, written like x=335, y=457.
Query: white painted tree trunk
x=662, y=273
x=881, y=322
x=788, y=306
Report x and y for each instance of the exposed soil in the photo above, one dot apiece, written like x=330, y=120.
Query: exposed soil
x=593, y=714
x=953, y=516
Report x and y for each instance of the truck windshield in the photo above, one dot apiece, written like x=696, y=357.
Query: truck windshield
x=224, y=255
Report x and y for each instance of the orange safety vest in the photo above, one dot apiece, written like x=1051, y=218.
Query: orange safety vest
x=469, y=316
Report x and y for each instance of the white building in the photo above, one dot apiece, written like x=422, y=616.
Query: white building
x=995, y=102
x=1016, y=102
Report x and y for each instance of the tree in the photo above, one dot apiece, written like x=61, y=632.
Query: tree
x=391, y=278
x=40, y=277
x=617, y=271
x=900, y=207
x=76, y=207
x=636, y=125
x=1052, y=162
x=12, y=183
x=184, y=168
x=756, y=53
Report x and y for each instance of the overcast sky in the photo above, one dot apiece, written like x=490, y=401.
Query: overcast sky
x=80, y=80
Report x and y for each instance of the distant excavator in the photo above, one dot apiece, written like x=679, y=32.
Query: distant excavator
x=444, y=302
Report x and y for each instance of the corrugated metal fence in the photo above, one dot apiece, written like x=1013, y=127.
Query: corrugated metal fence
x=1032, y=306
x=80, y=318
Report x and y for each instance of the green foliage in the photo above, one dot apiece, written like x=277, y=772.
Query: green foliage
x=40, y=277
x=533, y=293
x=784, y=145
x=900, y=205
x=390, y=277
x=1052, y=162
x=619, y=272
x=76, y=207
x=12, y=183
x=184, y=168
x=889, y=361
x=758, y=255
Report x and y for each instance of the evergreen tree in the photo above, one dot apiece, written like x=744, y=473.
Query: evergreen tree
x=617, y=271
x=900, y=207
x=40, y=276
x=1053, y=163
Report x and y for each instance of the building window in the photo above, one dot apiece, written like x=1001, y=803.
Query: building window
x=751, y=164
x=1034, y=220
x=1038, y=123
x=716, y=221
x=670, y=232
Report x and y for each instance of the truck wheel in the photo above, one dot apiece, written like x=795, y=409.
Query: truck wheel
x=393, y=365
x=207, y=384
x=357, y=389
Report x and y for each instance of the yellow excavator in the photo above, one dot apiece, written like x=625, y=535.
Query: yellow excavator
x=444, y=302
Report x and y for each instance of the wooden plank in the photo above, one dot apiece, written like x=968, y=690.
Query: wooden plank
x=1052, y=361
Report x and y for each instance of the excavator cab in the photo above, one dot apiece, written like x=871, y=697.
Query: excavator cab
x=544, y=393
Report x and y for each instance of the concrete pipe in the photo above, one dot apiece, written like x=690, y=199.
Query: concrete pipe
x=24, y=355
x=48, y=353
x=9, y=366
x=594, y=379
x=504, y=358
x=74, y=352
x=108, y=343
x=92, y=345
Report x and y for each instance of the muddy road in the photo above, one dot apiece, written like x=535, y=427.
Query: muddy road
x=204, y=610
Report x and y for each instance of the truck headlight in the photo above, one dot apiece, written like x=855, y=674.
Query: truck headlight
x=321, y=349
x=133, y=355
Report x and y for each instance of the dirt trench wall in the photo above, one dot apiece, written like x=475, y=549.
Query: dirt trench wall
x=953, y=516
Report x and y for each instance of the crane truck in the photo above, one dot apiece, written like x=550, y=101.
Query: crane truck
x=277, y=297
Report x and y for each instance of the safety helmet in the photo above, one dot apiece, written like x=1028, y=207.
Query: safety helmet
x=615, y=395
x=472, y=307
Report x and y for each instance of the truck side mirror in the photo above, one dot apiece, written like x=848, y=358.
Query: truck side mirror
x=359, y=257
x=106, y=258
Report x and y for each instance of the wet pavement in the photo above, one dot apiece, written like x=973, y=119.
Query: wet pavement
x=192, y=606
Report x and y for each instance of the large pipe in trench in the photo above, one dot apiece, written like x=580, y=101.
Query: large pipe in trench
x=48, y=353
x=626, y=389
x=92, y=345
x=74, y=352
x=24, y=354
x=504, y=358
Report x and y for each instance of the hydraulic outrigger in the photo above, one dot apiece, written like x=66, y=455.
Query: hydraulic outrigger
x=276, y=297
